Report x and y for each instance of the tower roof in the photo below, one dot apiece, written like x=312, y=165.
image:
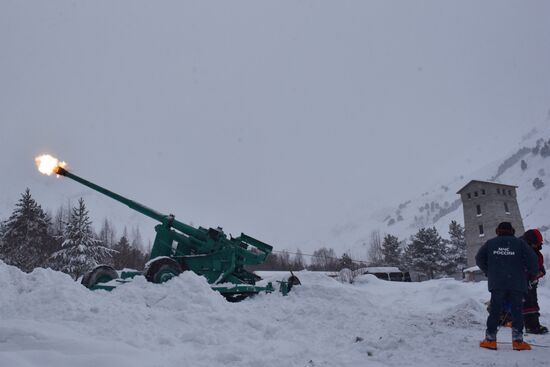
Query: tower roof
x=483, y=182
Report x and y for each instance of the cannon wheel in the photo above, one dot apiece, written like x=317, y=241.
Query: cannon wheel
x=162, y=270
x=236, y=297
x=99, y=274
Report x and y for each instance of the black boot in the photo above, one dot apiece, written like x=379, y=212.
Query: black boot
x=532, y=324
x=537, y=330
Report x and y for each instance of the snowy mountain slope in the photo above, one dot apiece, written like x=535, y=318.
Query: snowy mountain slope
x=440, y=205
x=47, y=319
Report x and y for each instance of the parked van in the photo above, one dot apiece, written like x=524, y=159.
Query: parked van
x=389, y=273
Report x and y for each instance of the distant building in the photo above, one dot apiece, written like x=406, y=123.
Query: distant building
x=486, y=204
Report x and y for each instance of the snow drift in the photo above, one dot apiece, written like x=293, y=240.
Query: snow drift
x=47, y=319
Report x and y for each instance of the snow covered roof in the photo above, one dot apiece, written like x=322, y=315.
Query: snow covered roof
x=381, y=269
x=472, y=269
x=484, y=182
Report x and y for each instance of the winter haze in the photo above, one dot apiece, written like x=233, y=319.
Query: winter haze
x=278, y=119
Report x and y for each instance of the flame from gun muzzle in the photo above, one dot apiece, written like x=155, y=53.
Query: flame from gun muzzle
x=47, y=164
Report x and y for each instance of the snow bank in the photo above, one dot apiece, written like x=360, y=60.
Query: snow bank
x=47, y=319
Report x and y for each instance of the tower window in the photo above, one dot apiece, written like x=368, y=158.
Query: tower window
x=482, y=191
x=478, y=209
x=510, y=192
x=475, y=194
x=498, y=191
x=506, y=209
x=481, y=232
x=469, y=196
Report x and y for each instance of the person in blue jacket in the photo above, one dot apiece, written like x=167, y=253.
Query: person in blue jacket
x=505, y=260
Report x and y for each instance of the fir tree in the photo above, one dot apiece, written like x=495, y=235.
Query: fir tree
x=456, y=249
x=391, y=250
x=80, y=251
x=426, y=252
x=127, y=256
x=122, y=256
x=346, y=262
x=138, y=259
x=26, y=240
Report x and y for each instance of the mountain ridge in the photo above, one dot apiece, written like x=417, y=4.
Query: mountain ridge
x=440, y=205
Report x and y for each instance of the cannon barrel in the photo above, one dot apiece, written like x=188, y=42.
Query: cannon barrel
x=167, y=220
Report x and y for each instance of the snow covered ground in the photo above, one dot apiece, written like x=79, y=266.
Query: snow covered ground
x=47, y=319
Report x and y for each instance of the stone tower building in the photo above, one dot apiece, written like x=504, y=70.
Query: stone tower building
x=486, y=204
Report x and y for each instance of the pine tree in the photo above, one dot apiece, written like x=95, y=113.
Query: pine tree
x=26, y=241
x=127, y=256
x=137, y=241
x=426, y=252
x=391, y=250
x=138, y=259
x=122, y=256
x=80, y=251
x=455, y=258
x=346, y=262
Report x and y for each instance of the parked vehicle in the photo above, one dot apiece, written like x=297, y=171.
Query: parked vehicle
x=389, y=273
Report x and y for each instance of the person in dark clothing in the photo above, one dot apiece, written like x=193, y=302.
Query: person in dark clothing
x=505, y=259
x=531, y=308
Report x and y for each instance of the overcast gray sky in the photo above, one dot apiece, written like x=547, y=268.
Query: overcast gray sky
x=273, y=118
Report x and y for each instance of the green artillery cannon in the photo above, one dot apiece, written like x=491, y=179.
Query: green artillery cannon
x=179, y=247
